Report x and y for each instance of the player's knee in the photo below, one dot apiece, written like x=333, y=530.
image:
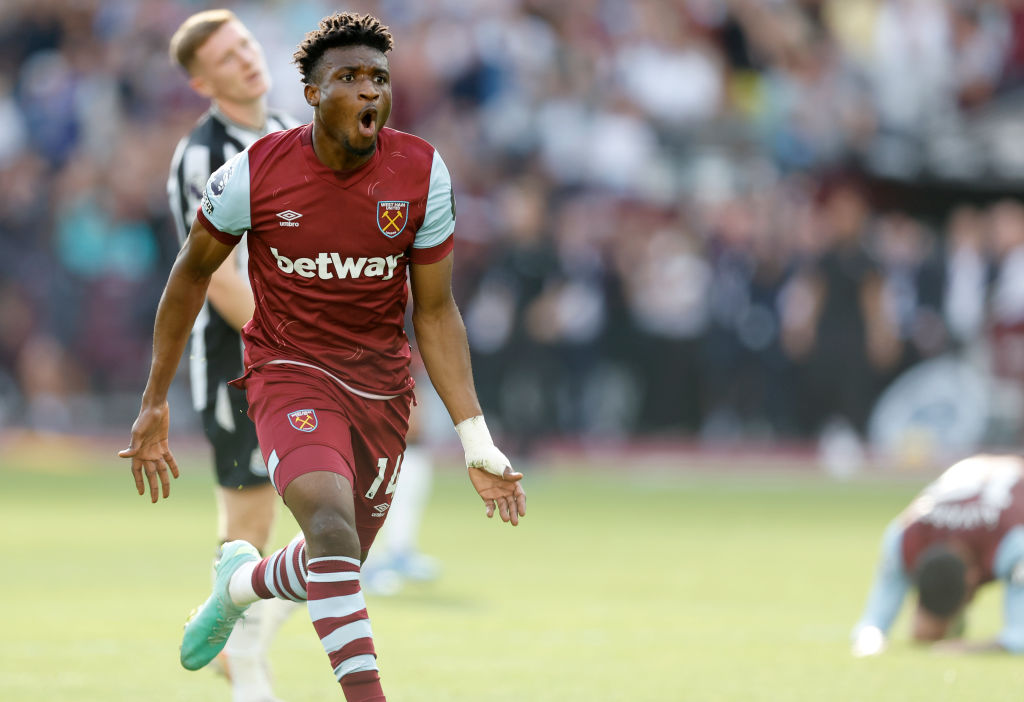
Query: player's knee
x=329, y=533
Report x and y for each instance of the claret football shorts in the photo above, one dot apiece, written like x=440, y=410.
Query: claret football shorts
x=308, y=422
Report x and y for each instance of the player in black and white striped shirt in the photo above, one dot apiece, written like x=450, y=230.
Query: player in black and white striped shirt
x=226, y=64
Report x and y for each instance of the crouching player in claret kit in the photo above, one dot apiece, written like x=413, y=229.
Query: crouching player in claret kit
x=964, y=530
x=338, y=214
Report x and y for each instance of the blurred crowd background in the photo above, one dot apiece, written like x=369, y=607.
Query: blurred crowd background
x=713, y=220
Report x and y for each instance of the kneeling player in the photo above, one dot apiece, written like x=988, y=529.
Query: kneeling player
x=964, y=530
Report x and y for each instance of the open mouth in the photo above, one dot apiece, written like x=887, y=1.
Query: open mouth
x=368, y=122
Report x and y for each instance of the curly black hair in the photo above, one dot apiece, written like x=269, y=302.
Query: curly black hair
x=340, y=29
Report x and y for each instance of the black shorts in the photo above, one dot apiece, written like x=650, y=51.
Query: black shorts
x=236, y=453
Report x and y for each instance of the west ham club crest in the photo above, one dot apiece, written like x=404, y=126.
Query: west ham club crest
x=392, y=216
x=303, y=420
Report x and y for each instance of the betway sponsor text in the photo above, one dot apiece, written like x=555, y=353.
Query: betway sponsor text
x=329, y=264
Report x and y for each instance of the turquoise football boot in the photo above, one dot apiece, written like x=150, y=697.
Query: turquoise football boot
x=207, y=630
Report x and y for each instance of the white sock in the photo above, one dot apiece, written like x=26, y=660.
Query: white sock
x=240, y=586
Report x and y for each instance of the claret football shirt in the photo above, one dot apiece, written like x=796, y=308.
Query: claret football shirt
x=329, y=250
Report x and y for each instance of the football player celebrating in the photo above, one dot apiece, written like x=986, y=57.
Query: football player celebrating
x=337, y=214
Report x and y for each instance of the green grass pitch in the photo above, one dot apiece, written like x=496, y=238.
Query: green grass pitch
x=640, y=586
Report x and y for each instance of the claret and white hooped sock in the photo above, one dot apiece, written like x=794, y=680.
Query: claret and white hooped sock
x=282, y=574
x=330, y=586
x=338, y=610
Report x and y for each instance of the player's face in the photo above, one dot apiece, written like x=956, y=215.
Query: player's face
x=230, y=66
x=352, y=96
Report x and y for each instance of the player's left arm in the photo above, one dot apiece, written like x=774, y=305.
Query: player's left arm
x=442, y=341
x=1008, y=566
x=1011, y=638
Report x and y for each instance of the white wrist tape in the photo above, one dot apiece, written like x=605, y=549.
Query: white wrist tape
x=479, y=447
x=473, y=434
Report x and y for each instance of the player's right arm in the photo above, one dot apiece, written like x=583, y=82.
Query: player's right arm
x=1011, y=638
x=1009, y=567
x=886, y=598
x=218, y=226
x=181, y=301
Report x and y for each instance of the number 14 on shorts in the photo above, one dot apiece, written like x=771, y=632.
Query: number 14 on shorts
x=382, y=467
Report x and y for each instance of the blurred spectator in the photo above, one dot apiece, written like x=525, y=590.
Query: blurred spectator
x=665, y=280
x=837, y=325
x=1014, y=69
x=747, y=383
x=911, y=65
x=515, y=364
x=1007, y=310
x=48, y=379
x=980, y=41
x=913, y=286
x=967, y=275
x=670, y=71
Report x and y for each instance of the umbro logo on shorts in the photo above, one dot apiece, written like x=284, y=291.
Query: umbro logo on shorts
x=303, y=420
x=380, y=509
x=289, y=217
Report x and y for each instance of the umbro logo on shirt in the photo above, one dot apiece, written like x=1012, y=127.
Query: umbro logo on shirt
x=380, y=509
x=289, y=217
